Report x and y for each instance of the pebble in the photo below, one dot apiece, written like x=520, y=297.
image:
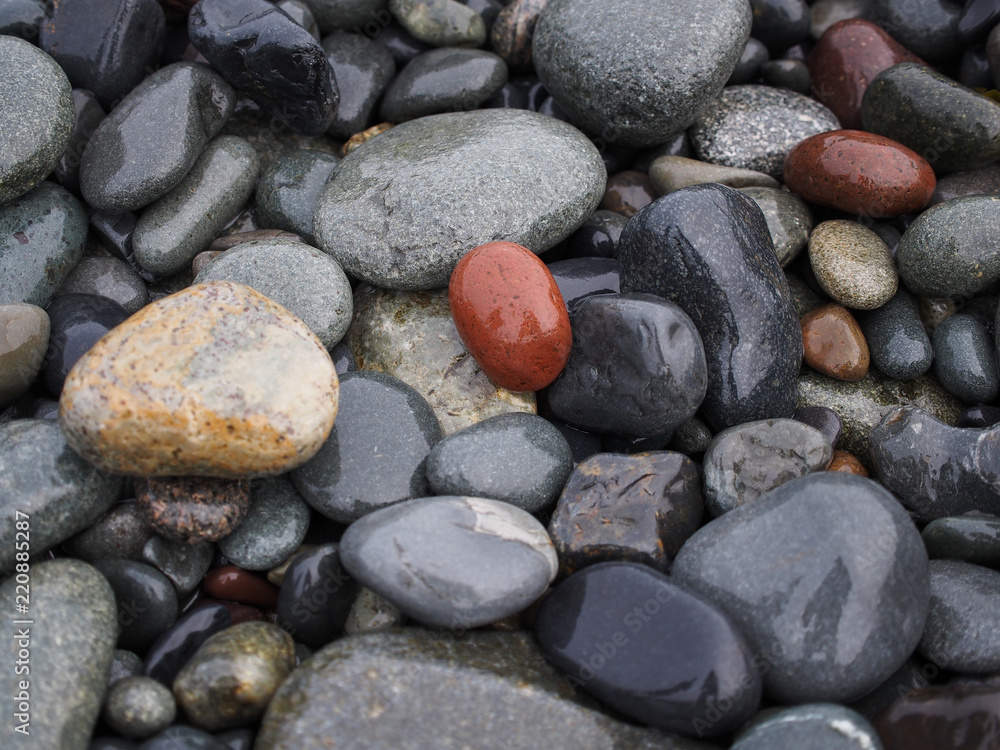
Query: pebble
x=234, y=584
x=927, y=27
x=305, y=281
x=669, y=173
x=227, y=429
x=834, y=344
x=274, y=526
x=36, y=116
x=978, y=181
x=411, y=336
x=965, y=360
x=848, y=463
x=852, y=264
x=963, y=621
x=979, y=416
x=108, y=277
x=826, y=420
x=897, y=341
x=512, y=33
x=755, y=127
x=974, y=540
x=370, y=613
x=935, y=716
x=440, y=23
x=639, y=508
x=520, y=459
x=316, y=596
x=598, y=236
x=377, y=451
x=331, y=15
x=707, y=248
x=138, y=707
x=193, y=509
x=89, y=115
x=146, y=601
x=745, y=462
x=289, y=187
x=510, y=315
x=121, y=533
x=21, y=18
x=824, y=726
x=627, y=192
x=458, y=180
x=363, y=69
x=451, y=562
x=582, y=277
x=635, y=77
x=780, y=24
x=124, y=664
x=787, y=74
x=178, y=643
x=789, y=220
x=857, y=573
x=24, y=338
x=184, y=564
x=665, y=380
x=751, y=60
x=230, y=680
x=72, y=642
x=143, y=148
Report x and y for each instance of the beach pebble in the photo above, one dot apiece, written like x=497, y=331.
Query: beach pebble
x=274, y=526
x=834, y=344
x=24, y=338
x=316, y=596
x=288, y=189
x=789, y=220
x=965, y=359
x=897, y=341
x=138, y=707
x=363, y=69
x=852, y=264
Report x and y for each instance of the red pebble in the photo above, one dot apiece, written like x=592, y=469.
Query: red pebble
x=237, y=585
x=846, y=59
x=860, y=173
x=510, y=315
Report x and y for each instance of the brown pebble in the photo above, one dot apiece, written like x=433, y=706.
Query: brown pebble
x=193, y=509
x=833, y=343
x=627, y=192
x=363, y=137
x=847, y=462
x=237, y=585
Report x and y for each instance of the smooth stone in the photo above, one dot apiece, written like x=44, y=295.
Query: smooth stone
x=308, y=283
x=21, y=18
x=752, y=58
x=745, y=462
x=486, y=689
x=146, y=145
x=180, y=737
x=443, y=80
x=288, y=189
x=184, y=564
x=233, y=584
x=42, y=237
x=239, y=399
x=274, y=526
x=520, y=459
x=755, y=127
x=193, y=509
x=789, y=220
x=120, y=533
x=316, y=596
x=513, y=31
x=670, y=173
x=376, y=452
x=780, y=24
x=937, y=470
x=803, y=296
x=965, y=360
x=370, y=613
x=598, y=235
x=402, y=211
x=897, y=341
x=124, y=664
x=510, y=315
x=848, y=463
x=451, y=562
x=964, y=620
x=663, y=384
x=138, y=707
x=36, y=116
x=78, y=321
x=72, y=642
x=935, y=716
x=950, y=125
x=264, y=54
x=707, y=248
x=821, y=418
x=146, y=600
x=638, y=508
x=627, y=192
x=834, y=344
x=333, y=15
x=816, y=726
x=106, y=48
x=979, y=181
x=230, y=680
x=440, y=23
x=178, y=643
x=978, y=17
x=691, y=438
x=635, y=77
x=363, y=69
x=41, y=477
x=89, y=115
x=974, y=540
x=582, y=277
x=667, y=662
x=852, y=264
x=24, y=339
x=928, y=27
x=411, y=336
x=844, y=61
x=108, y=277
x=844, y=599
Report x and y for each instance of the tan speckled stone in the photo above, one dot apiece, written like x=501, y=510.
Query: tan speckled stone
x=852, y=264
x=215, y=380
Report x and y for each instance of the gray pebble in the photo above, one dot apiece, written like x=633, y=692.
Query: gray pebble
x=288, y=189
x=788, y=220
x=814, y=726
x=440, y=23
x=969, y=538
x=183, y=564
x=108, y=277
x=670, y=173
x=371, y=613
x=138, y=707
x=24, y=339
x=897, y=341
x=273, y=529
x=368, y=16
x=125, y=664
x=121, y=533
x=965, y=360
x=146, y=601
x=852, y=264
x=363, y=68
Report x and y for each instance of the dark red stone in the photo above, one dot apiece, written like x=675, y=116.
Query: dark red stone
x=946, y=717
x=510, y=315
x=860, y=173
x=237, y=585
x=627, y=192
x=846, y=59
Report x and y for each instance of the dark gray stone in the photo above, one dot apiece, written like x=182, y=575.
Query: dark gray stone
x=965, y=360
x=363, y=68
x=359, y=16
x=182, y=563
x=788, y=220
x=89, y=115
x=969, y=538
x=146, y=600
x=137, y=707
x=977, y=181
x=125, y=664
x=108, y=277
x=180, y=737
x=440, y=23
x=897, y=341
x=288, y=189
x=581, y=277
x=816, y=726
x=316, y=596
x=120, y=533
x=273, y=529
x=21, y=18
x=928, y=28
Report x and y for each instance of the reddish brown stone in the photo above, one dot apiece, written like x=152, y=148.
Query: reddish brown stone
x=238, y=612
x=510, y=315
x=946, y=717
x=847, y=462
x=237, y=585
x=627, y=192
x=860, y=173
x=193, y=509
x=833, y=343
x=846, y=59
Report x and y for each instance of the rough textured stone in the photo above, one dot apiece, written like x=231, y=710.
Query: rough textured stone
x=440, y=23
x=120, y=533
x=193, y=509
x=852, y=264
x=24, y=337
x=137, y=707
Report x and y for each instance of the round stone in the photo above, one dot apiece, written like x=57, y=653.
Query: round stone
x=832, y=343
x=109, y=277
x=789, y=220
x=897, y=341
x=120, y=533
x=24, y=338
x=137, y=707
x=147, y=602
x=441, y=23
x=965, y=360
x=193, y=509
x=363, y=68
x=852, y=264
x=273, y=528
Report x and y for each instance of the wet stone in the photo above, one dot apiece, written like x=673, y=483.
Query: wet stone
x=513, y=30
x=581, y=277
x=183, y=564
x=180, y=737
x=627, y=192
x=834, y=344
x=178, y=643
x=929, y=27
x=146, y=601
x=21, y=18
x=897, y=342
x=370, y=613
x=440, y=23
x=24, y=338
x=979, y=416
x=237, y=585
x=670, y=173
x=974, y=540
x=78, y=321
x=751, y=60
x=288, y=189
x=848, y=463
x=124, y=664
x=852, y=264
x=274, y=526
x=108, y=277
x=194, y=509
x=979, y=181
x=363, y=69
x=819, y=725
x=120, y=533
x=138, y=707
x=789, y=220
x=316, y=596
x=965, y=360
x=935, y=716
x=787, y=74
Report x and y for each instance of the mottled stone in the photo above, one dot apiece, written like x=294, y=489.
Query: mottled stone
x=137, y=707
x=955, y=716
x=109, y=277
x=834, y=344
x=194, y=509
x=978, y=181
x=244, y=412
x=513, y=32
x=183, y=563
x=965, y=360
x=24, y=338
x=288, y=189
x=972, y=539
x=124, y=664
x=440, y=23
x=371, y=613
x=852, y=264
x=273, y=528
x=823, y=726
x=897, y=342
x=315, y=596
x=789, y=220
x=670, y=173
x=363, y=68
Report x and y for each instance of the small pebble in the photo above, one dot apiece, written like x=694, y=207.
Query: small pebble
x=138, y=707
x=852, y=264
x=834, y=344
x=789, y=220
x=965, y=359
x=897, y=341
x=237, y=585
x=193, y=509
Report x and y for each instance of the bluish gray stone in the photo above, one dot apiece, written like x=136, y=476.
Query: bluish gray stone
x=520, y=459
x=21, y=18
x=814, y=726
x=146, y=600
x=289, y=187
x=400, y=212
x=965, y=360
x=827, y=578
x=120, y=533
x=897, y=341
x=636, y=74
x=273, y=529
x=363, y=69
x=440, y=23
x=125, y=664
x=788, y=220
x=969, y=538
x=137, y=707
x=109, y=277
x=299, y=12
x=183, y=564
x=360, y=16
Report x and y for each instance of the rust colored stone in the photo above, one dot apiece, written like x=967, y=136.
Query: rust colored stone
x=627, y=192
x=945, y=717
x=846, y=59
x=860, y=173
x=847, y=462
x=193, y=509
x=234, y=584
x=363, y=137
x=833, y=343
x=238, y=612
x=513, y=30
x=510, y=315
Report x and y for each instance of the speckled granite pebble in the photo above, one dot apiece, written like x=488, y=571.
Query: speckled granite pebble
x=273, y=528
x=24, y=337
x=852, y=264
x=138, y=707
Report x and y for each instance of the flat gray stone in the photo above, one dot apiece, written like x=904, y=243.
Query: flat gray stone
x=273, y=529
x=852, y=264
x=969, y=538
x=669, y=173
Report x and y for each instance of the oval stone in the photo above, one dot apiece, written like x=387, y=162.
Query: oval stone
x=897, y=341
x=860, y=173
x=146, y=600
x=510, y=315
x=965, y=359
x=201, y=383
x=24, y=337
x=833, y=343
x=823, y=726
x=852, y=264
x=788, y=220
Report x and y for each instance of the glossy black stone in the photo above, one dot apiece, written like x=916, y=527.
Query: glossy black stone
x=266, y=55
x=175, y=645
x=974, y=539
x=77, y=322
x=581, y=277
x=708, y=249
x=780, y=24
x=182, y=738
x=89, y=114
x=316, y=597
x=928, y=28
x=363, y=69
x=979, y=416
x=978, y=17
x=650, y=649
x=787, y=74
x=747, y=68
x=598, y=236
x=823, y=419
x=401, y=44
x=106, y=47
x=146, y=601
